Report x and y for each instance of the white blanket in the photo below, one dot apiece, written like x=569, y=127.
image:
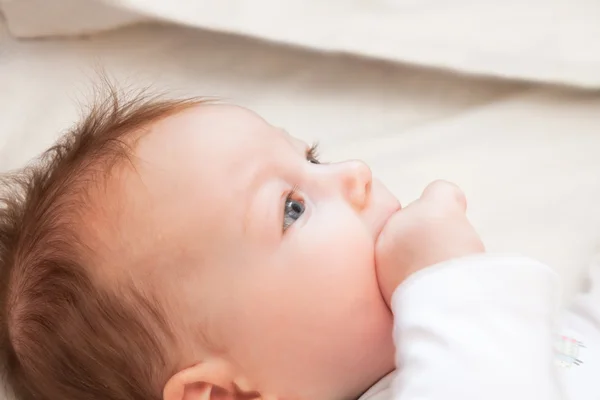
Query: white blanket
x=539, y=40
x=527, y=156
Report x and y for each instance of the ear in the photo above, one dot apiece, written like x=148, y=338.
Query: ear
x=204, y=381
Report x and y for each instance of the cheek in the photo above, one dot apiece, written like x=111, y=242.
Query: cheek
x=317, y=309
x=329, y=261
x=335, y=245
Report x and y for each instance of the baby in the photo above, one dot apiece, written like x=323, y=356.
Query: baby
x=184, y=250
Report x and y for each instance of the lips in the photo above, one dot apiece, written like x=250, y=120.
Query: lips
x=383, y=205
x=384, y=219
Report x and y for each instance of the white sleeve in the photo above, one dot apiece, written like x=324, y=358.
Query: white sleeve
x=476, y=328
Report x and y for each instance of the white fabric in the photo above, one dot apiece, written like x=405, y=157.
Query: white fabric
x=483, y=327
x=35, y=18
x=480, y=327
x=540, y=40
x=579, y=343
x=476, y=328
x=526, y=156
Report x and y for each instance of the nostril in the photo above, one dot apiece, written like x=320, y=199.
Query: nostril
x=366, y=193
x=360, y=194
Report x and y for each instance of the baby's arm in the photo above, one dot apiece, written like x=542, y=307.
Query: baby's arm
x=468, y=325
x=478, y=327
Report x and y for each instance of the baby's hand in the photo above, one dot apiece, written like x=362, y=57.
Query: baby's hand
x=430, y=230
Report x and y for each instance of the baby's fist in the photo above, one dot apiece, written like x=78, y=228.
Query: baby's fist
x=430, y=230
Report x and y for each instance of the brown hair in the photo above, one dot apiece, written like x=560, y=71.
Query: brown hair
x=63, y=335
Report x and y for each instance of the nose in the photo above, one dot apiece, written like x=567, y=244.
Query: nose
x=355, y=179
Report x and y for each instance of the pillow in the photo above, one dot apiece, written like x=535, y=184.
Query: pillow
x=539, y=40
x=43, y=18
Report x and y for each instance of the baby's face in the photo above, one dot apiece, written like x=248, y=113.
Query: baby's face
x=267, y=253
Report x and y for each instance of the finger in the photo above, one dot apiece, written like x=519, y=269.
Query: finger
x=447, y=193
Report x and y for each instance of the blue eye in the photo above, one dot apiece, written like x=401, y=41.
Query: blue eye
x=293, y=210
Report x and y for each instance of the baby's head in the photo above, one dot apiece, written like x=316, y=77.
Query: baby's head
x=166, y=248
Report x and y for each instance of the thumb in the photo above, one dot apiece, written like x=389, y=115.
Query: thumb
x=445, y=193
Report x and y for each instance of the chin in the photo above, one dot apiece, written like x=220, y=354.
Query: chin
x=378, y=363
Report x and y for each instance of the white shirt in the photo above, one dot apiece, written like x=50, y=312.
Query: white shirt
x=484, y=327
x=578, y=344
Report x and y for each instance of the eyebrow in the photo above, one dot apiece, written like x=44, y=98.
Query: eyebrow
x=296, y=142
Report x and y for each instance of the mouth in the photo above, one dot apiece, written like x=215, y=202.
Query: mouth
x=385, y=217
x=383, y=205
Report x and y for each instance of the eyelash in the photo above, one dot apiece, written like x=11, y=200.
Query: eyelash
x=312, y=154
x=292, y=194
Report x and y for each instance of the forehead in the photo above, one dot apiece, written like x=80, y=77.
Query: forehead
x=203, y=145
x=211, y=127
x=194, y=168
x=210, y=143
